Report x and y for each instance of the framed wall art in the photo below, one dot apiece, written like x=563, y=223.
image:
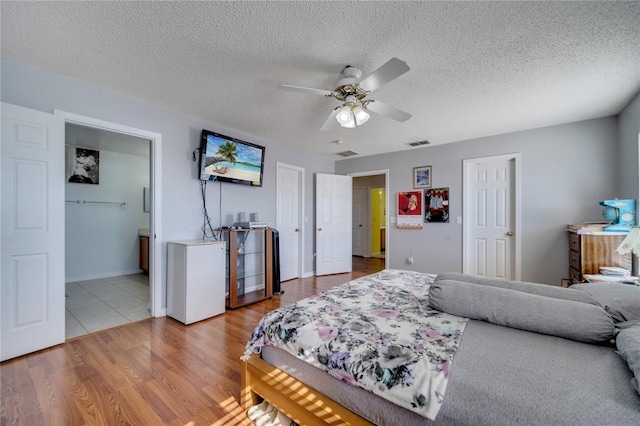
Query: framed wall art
x=82, y=165
x=409, y=210
x=422, y=177
x=436, y=205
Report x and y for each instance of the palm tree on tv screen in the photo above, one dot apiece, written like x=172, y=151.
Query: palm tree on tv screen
x=227, y=152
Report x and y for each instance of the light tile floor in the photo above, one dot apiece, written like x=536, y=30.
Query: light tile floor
x=105, y=303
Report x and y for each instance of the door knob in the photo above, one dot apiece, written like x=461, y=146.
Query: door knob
x=319, y=229
x=297, y=230
x=510, y=234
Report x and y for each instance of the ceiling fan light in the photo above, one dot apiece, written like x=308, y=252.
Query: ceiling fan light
x=344, y=115
x=360, y=115
x=349, y=124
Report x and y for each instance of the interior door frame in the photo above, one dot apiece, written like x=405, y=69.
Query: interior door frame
x=155, y=216
x=384, y=172
x=363, y=223
x=370, y=189
x=468, y=208
x=301, y=212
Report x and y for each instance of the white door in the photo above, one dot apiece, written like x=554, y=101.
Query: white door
x=491, y=236
x=358, y=208
x=289, y=182
x=32, y=289
x=333, y=224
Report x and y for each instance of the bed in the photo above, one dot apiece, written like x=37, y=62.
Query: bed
x=495, y=353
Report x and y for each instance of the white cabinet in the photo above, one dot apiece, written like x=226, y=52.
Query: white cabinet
x=195, y=280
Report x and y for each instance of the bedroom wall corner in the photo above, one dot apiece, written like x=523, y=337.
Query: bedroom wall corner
x=565, y=171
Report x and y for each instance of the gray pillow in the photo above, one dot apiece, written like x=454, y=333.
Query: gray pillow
x=622, y=301
x=570, y=319
x=533, y=288
x=626, y=324
x=628, y=345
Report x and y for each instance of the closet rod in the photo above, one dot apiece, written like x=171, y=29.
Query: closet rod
x=121, y=204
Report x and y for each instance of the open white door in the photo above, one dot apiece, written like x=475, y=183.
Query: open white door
x=32, y=289
x=333, y=224
x=289, y=193
x=490, y=217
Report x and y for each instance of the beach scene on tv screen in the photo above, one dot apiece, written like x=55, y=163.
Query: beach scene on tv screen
x=225, y=158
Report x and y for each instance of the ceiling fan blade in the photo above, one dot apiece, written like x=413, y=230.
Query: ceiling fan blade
x=305, y=90
x=394, y=68
x=331, y=121
x=387, y=110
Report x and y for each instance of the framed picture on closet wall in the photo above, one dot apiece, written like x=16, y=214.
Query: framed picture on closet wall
x=82, y=165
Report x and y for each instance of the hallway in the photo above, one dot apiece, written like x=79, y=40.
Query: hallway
x=368, y=265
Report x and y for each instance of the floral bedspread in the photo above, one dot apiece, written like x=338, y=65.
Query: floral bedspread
x=376, y=332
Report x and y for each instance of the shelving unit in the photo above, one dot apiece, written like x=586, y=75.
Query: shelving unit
x=588, y=252
x=249, y=277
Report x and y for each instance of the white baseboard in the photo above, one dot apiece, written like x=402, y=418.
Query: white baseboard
x=161, y=313
x=102, y=275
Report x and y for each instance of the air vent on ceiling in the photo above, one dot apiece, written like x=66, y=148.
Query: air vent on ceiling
x=419, y=143
x=348, y=153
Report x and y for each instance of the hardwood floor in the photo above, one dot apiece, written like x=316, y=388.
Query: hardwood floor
x=153, y=372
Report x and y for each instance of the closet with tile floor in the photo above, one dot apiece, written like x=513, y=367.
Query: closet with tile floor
x=99, y=304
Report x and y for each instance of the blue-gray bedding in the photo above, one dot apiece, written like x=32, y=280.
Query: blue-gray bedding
x=621, y=301
x=503, y=376
x=533, y=307
x=522, y=286
x=628, y=345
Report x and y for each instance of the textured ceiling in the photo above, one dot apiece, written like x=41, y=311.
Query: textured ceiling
x=477, y=68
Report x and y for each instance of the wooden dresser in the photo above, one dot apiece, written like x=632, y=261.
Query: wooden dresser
x=588, y=252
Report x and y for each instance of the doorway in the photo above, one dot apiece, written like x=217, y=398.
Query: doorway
x=370, y=188
x=151, y=143
x=106, y=229
x=378, y=212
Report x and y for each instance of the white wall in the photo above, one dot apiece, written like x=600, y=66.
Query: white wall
x=566, y=171
x=181, y=204
x=102, y=240
x=629, y=123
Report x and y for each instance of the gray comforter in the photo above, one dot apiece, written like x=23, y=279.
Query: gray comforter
x=504, y=376
x=505, y=370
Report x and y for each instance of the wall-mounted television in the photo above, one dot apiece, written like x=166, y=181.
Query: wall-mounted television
x=229, y=159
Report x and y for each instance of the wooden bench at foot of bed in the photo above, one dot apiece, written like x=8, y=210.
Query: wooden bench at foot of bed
x=296, y=400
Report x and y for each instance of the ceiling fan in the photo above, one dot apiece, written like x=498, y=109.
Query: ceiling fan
x=352, y=92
